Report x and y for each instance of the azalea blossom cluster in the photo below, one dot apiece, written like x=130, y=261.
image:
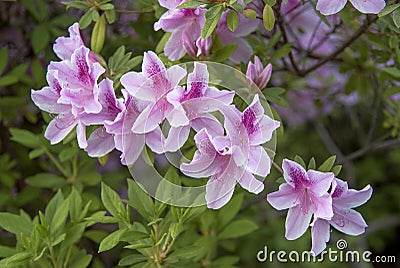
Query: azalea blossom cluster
x=230, y=153
x=185, y=26
x=305, y=194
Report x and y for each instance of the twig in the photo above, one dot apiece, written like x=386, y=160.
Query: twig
x=379, y=144
x=370, y=20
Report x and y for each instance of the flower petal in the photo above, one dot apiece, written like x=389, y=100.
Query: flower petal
x=59, y=127
x=100, y=143
x=369, y=6
x=329, y=7
x=177, y=137
x=64, y=47
x=319, y=236
x=151, y=116
x=132, y=147
x=354, y=198
x=320, y=181
x=132, y=82
x=251, y=184
x=46, y=100
x=294, y=173
x=209, y=122
x=284, y=198
x=297, y=222
x=349, y=222
x=220, y=186
x=323, y=207
x=81, y=135
x=259, y=162
x=155, y=140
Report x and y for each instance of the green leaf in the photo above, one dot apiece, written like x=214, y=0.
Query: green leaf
x=98, y=35
x=99, y=217
x=140, y=200
x=223, y=53
x=191, y=4
x=15, y=224
x=163, y=41
x=75, y=205
x=6, y=251
x=336, y=169
x=25, y=138
x=3, y=59
x=392, y=71
x=111, y=200
x=237, y=229
x=250, y=14
x=282, y=51
x=211, y=22
x=137, y=246
x=132, y=236
x=106, y=6
x=40, y=38
x=268, y=17
x=76, y=4
x=111, y=240
x=396, y=18
x=36, y=153
x=46, y=180
x=81, y=260
x=60, y=216
x=328, y=164
x=270, y=2
x=238, y=8
x=17, y=259
x=53, y=205
x=7, y=80
x=110, y=16
x=132, y=259
x=86, y=19
x=300, y=160
x=312, y=164
x=68, y=153
x=232, y=21
x=387, y=10
x=229, y=211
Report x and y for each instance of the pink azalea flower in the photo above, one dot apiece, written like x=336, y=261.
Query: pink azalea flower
x=64, y=47
x=246, y=132
x=78, y=79
x=329, y=7
x=47, y=100
x=258, y=74
x=152, y=85
x=118, y=117
x=214, y=159
x=185, y=25
x=192, y=107
x=304, y=194
x=345, y=219
x=100, y=141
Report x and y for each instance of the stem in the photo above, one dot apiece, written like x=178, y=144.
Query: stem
x=56, y=163
x=277, y=167
x=67, y=258
x=52, y=256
